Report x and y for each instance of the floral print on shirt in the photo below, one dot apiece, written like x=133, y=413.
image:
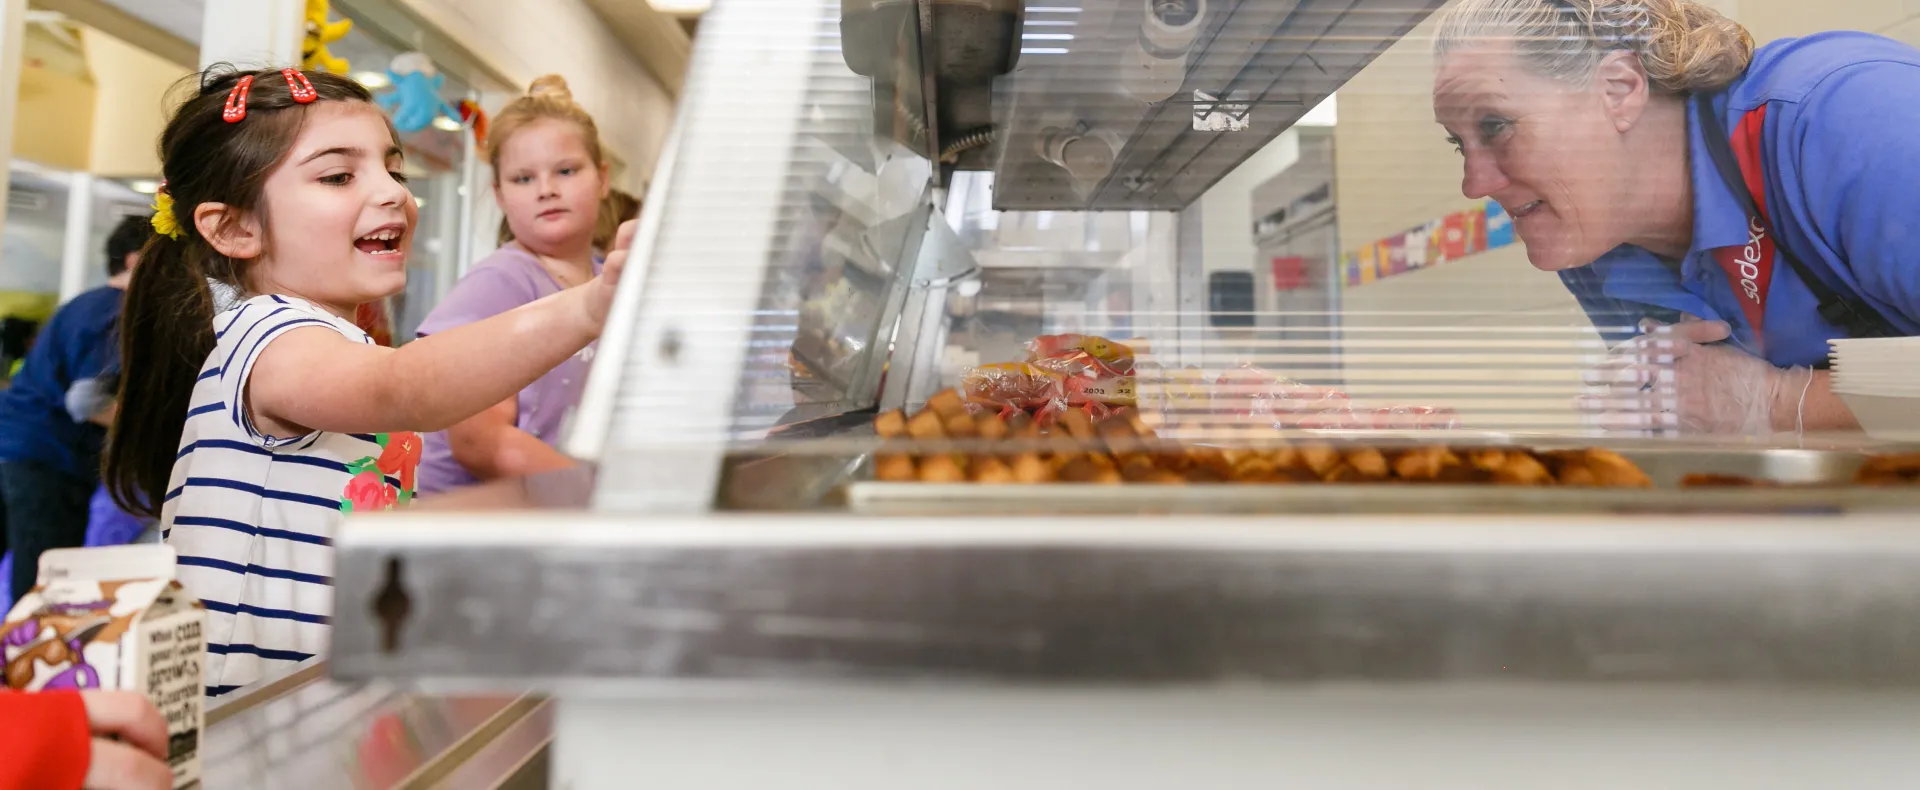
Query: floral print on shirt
x=385, y=481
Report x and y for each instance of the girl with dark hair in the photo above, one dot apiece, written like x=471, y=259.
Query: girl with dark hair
x=256, y=429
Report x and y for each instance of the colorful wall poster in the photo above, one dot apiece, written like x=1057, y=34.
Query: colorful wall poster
x=1476, y=230
x=1419, y=246
x=1499, y=226
x=1452, y=238
x=1393, y=256
x=1483, y=227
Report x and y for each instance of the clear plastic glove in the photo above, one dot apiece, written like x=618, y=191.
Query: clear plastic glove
x=1670, y=379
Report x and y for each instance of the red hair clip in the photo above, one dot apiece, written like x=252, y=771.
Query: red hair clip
x=236, y=109
x=299, y=86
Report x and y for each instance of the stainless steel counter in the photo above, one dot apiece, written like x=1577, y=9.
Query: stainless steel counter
x=1749, y=599
x=305, y=731
x=820, y=637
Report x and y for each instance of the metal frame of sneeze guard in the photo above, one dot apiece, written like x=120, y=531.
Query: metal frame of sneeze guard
x=940, y=260
x=660, y=405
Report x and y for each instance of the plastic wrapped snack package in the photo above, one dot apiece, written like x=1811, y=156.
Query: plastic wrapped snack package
x=1095, y=373
x=1170, y=398
x=1188, y=395
x=1011, y=386
x=1406, y=418
x=1251, y=393
x=1437, y=418
x=1081, y=355
x=1106, y=393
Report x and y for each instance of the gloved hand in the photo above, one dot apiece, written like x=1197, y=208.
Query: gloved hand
x=1670, y=379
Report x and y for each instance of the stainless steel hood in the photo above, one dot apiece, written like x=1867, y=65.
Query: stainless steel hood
x=1105, y=107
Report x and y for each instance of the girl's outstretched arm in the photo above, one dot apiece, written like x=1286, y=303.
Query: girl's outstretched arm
x=313, y=379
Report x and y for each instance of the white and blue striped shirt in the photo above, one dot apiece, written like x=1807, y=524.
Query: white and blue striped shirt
x=253, y=516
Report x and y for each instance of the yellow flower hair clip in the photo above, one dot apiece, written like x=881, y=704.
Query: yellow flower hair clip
x=164, y=223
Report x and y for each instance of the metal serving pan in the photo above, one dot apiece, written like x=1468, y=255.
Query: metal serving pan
x=1827, y=474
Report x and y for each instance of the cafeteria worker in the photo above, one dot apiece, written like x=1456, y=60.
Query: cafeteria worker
x=1730, y=208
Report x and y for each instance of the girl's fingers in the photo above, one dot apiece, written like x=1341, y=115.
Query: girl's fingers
x=622, y=247
x=128, y=716
x=118, y=766
x=623, y=238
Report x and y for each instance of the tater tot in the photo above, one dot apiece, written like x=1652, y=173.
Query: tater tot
x=942, y=468
x=894, y=468
x=947, y=404
x=890, y=424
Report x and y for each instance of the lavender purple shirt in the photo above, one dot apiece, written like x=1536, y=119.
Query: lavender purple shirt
x=507, y=279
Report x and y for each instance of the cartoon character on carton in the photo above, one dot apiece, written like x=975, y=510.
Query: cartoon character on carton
x=49, y=651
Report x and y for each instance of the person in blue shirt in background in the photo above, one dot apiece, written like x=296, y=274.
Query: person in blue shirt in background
x=1720, y=211
x=53, y=418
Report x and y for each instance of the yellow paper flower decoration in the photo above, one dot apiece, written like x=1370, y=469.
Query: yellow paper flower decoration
x=164, y=223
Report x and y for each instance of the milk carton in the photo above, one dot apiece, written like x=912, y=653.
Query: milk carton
x=113, y=618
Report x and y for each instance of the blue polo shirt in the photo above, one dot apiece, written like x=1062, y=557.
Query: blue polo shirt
x=1840, y=152
x=77, y=343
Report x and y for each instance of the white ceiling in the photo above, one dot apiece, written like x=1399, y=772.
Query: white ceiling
x=179, y=17
x=661, y=42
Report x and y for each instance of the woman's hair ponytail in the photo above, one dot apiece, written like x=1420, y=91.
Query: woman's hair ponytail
x=166, y=333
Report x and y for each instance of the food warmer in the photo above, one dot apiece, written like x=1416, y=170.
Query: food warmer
x=864, y=199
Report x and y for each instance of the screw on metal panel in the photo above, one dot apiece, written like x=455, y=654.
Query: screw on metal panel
x=392, y=605
x=670, y=345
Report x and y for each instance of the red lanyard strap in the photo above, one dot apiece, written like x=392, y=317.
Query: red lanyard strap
x=1856, y=317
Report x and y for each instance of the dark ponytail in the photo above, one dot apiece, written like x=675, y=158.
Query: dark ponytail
x=166, y=328
x=166, y=333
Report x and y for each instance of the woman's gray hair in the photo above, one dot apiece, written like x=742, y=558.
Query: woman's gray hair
x=1684, y=46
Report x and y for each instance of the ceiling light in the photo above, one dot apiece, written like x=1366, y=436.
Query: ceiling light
x=144, y=186
x=373, y=80
x=446, y=124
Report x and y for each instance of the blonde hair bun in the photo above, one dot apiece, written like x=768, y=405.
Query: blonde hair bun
x=551, y=86
x=1694, y=48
